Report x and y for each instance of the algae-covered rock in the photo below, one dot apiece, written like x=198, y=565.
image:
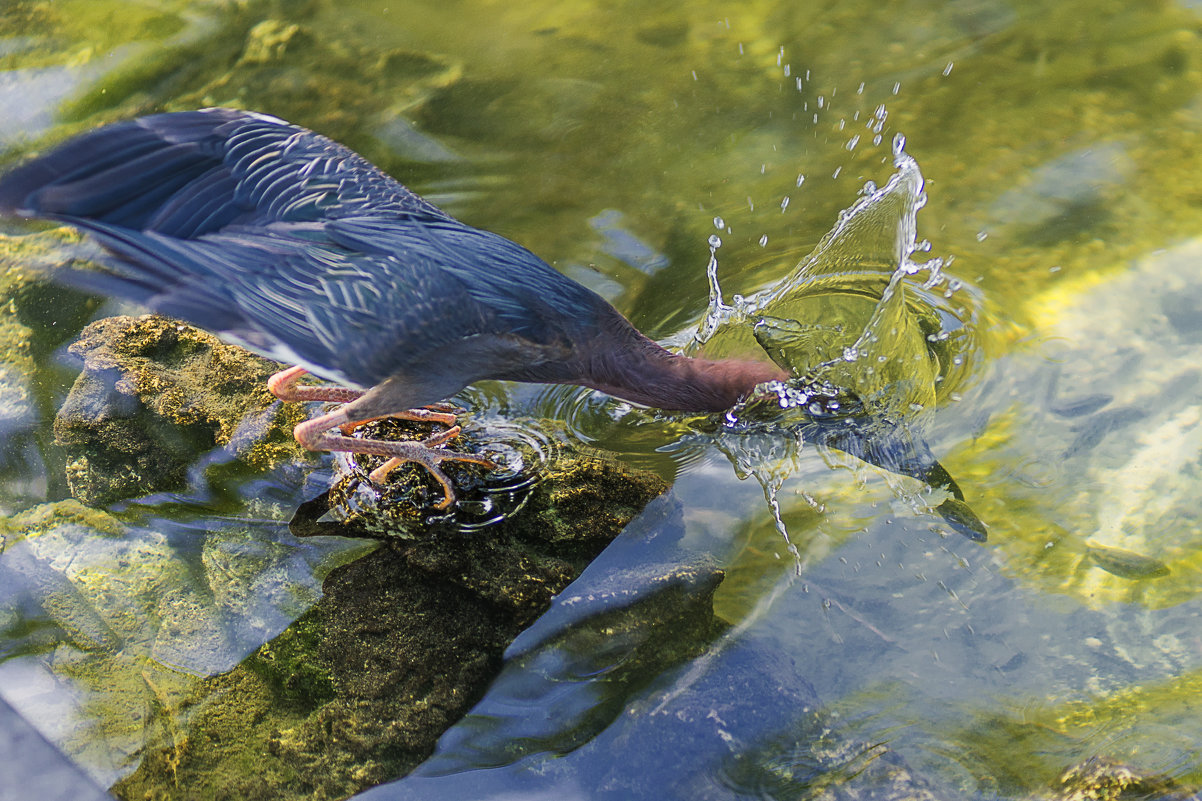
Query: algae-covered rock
x=560, y=521
x=1101, y=779
x=30, y=311
x=401, y=645
x=154, y=394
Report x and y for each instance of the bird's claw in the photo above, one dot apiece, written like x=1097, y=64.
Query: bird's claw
x=428, y=455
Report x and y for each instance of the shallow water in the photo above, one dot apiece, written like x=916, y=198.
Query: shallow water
x=1060, y=149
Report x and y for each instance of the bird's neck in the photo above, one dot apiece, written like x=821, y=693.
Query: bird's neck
x=648, y=374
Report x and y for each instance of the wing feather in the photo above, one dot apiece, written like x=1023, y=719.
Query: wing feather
x=280, y=239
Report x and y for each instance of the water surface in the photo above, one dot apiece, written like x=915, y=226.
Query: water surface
x=1060, y=149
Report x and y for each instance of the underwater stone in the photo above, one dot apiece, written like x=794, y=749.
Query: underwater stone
x=582, y=501
x=1102, y=779
x=154, y=395
x=403, y=642
x=35, y=766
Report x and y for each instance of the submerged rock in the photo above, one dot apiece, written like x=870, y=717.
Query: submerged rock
x=153, y=396
x=403, y=642
x=1101, y=779
x=31, y=311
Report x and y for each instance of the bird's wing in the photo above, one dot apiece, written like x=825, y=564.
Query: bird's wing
x=289, y=292
x=190, y=173
x=284, y=241
x=531, y=298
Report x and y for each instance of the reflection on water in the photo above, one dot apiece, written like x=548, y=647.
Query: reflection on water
x=1059, y=385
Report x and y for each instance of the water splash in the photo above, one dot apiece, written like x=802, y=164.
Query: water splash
x=873, y=338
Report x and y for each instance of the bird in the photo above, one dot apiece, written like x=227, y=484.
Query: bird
x=284, y=242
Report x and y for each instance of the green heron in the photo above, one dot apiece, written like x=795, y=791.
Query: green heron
x=282, y=241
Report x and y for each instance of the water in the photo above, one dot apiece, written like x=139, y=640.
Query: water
x=1042, y=348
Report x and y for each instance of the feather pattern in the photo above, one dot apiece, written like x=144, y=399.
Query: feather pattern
x=281, y=240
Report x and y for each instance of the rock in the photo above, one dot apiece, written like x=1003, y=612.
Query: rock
x=155, y=395
x=403, y=642
x=35, y=768
x=1101, y=779
x=31, y=309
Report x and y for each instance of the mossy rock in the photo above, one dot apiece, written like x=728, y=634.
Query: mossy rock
x=402, y=644
x=155, y=395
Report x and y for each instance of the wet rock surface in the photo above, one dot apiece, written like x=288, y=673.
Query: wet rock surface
x=1101, y=779
x=403, y=642
x=155, y=394
x=31, y=313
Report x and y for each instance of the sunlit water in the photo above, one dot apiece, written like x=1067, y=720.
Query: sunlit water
x=1057, y=383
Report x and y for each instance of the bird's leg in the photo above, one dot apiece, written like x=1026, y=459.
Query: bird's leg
x=380, y=474
x=285, y=387
x=315, y=435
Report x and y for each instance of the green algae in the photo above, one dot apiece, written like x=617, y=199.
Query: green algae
x=154, y=394
x=402, y=643
x=568, y=111
x=1036, y=753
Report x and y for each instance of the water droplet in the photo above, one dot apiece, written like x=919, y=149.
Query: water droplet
x=850, y=354
x=787, y=71
x=715, y=241
x=851, y=143
x=982, y=236
x=821, y=101
x=799, y=88
x=948, y=69
x=860, y=91
x=838, y=170
x=763, y=240
x=869, y=188
x=896, y=87
x=719, y=223
x=784, y=203
x=899, y=144
x=801, y=179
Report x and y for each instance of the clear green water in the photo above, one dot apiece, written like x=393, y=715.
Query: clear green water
x=1060, y=144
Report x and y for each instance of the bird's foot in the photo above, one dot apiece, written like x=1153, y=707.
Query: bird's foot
x=316, y=434
x=429, y=455
x=284, y=385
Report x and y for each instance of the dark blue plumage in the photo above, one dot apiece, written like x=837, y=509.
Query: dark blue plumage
x=278, y=239
x=283, y=241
